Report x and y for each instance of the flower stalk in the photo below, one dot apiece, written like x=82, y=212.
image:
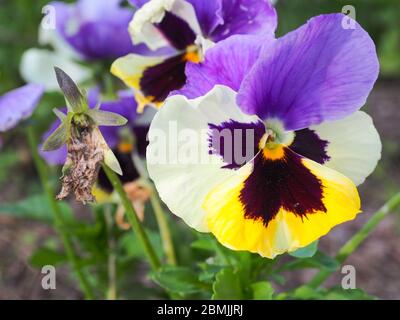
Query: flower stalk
x=112, y=257
x=164, y=229
x=57, y=216
x=159, y=213
x=354, y=242
x=133, y=219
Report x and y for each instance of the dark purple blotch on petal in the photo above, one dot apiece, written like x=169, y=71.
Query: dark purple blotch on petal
x=236, y=142
x=284, y=183
x=177, y=31
x=158, y=81
x=129, y=171
x=141, y=142
x=308, y=144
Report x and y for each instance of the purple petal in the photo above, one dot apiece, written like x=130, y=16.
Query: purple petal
x=227, y=63
x=93, y=96
x=318, y=72
x=97, y=29
x=137, y=3
x=246, y=17
x=209, y=14
x=18, y=104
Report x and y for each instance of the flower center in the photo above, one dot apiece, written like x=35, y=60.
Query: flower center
x=275, y=138
x=194, y=54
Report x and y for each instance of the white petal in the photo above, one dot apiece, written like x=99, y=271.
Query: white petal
x=37, y=66
x=52, y=37
x=183, y=183
x=142, y=29
x=354, y=145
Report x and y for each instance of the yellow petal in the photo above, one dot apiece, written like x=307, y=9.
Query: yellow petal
x=286, y=232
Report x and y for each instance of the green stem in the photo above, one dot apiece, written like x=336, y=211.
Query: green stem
x=57, y=216
x=162, y=222
x=351, y=245
x=133, y=218
x=163, y=227
x=112, y=257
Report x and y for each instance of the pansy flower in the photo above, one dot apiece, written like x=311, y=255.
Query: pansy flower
x=187, y=28
x=96, y=29
x=270, y=163
x=86, y=30
x=18, y=104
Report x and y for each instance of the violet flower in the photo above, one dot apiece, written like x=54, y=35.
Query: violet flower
x=188, y=29
x=281, y=139
x=18, y=104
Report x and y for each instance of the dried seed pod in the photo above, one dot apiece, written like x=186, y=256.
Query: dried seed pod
x=87, y=149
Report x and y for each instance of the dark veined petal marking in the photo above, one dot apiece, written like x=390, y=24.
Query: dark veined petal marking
x=308, y=144
x=141, y=142
x=158, y=81
x=236, y=142
x=177, y=31
x=282, y=182
x=129, y=171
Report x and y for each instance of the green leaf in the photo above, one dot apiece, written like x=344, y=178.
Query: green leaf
x=133, y=248
x=75, y=100
x=60, y=115
x=106, y=118
x=205, y=244
x=319, y=261
x=306, y=293
x=335, y=293
x=112, y=162
x=58, y=138
x=8, y=159
x=46, y=256
x=227, y=285
x=262, y=290
x=180, y=280
x=306, y=252
x=35, y=207
x=278, y=278
x=208, y=271
x=338, y=293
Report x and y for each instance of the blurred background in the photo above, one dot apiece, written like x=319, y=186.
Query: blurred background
x=377, y=261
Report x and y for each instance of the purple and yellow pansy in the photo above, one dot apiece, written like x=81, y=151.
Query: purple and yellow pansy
x=281, y=141
x=184, y=30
